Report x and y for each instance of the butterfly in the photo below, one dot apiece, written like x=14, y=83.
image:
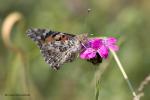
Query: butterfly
x=58, y=48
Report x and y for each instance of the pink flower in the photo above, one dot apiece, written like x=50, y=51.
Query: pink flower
x=88, y=53
x=100, y=46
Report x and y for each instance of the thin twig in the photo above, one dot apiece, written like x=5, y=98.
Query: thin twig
x=140, y=91
x=144, y=83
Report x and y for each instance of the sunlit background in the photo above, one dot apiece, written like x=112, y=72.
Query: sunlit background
x=24, y=75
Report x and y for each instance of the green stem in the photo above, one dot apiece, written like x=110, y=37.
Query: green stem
x=97, y=89
x=124, y=73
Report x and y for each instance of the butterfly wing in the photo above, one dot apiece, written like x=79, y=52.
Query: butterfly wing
x=57, y=48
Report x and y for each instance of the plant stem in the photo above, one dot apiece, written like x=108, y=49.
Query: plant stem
x=124, y=73
x=97, y=89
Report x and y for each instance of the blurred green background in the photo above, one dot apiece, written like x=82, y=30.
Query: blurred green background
x=24, y=72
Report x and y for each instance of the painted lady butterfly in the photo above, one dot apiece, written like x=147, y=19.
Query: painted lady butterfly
x=58, y=48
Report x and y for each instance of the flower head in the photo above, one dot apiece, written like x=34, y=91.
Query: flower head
x=100, y=46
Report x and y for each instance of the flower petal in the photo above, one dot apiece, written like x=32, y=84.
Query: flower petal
x=88, y=53
x=111, y=40
x=114, y=47
x=103, y=51
x=95, y=43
